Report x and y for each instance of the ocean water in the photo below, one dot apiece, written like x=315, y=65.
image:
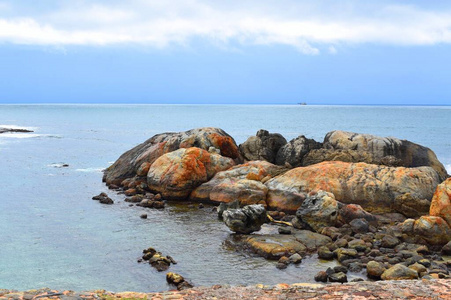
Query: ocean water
x=53, y=235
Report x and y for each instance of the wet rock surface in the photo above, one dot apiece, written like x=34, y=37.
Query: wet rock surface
x=103, y=198
x=157, y=260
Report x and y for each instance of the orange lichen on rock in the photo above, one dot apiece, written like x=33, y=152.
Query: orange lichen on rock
x=441, y=201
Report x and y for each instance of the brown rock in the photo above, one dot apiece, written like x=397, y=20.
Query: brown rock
x=128, y=163
x=375, y=269
x=177, y=173
x=432, y=229
x=441, y=201
x=411, y=207
x=399, y=272
x=371, y=186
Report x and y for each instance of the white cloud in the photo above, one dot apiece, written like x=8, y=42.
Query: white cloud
x=162, y=23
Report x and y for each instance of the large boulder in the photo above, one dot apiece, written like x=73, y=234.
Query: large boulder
x=293, y=152
x=411, y=207
x=316, y=156
x=263, y=146
x=319, y=210
x=382, y=149
x=441, y=202
x=242, y=182
x=245, y=220
x=434, y=230
x=374, y=187
x=143, y=155
x=175, y=174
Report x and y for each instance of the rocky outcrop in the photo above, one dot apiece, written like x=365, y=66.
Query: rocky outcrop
x=373, y=187
x=142, y=156
x=293, y=152
x=242, y=182
x=263, y=146
x=245, y=220
x=176, y=174
x=441, y=202
x=386, y=149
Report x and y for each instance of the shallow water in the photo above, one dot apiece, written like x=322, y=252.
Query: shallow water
x=52, y=234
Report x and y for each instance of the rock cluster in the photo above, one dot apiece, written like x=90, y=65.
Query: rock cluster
x=157, y=260
x=148, y=200
x=103, y=198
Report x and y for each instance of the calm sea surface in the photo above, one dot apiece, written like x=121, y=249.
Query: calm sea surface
x=53, y=235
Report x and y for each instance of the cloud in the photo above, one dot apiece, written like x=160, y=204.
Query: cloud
x=306, y=27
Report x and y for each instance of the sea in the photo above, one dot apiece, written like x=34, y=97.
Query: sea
x=53, y=235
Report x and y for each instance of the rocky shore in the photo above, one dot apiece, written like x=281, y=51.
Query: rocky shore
x=402, y=289
x=377, y=205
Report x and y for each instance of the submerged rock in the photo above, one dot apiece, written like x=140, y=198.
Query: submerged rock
x=146, y=153
x=178, y=280
x=103, y=198
x=373, y=187
x=245, y=220
x=176, y=174
x=263, y=146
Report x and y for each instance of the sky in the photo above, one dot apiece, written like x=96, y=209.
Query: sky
x=221, y=52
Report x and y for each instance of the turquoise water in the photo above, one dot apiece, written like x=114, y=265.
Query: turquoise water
x=53, y=235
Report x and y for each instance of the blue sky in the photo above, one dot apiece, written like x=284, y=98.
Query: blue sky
x=188, y=51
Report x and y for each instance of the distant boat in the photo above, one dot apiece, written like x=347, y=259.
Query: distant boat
x=302, y=103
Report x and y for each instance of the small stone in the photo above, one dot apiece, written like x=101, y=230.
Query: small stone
x=425, y=262
x=325, y=253
x=358, y=279
x=296, y=258
x=338, y=277
x=321, y=276
x=359, y=225
x=389, y=241
x=341, y=243
x=399, y=272
x=143, y=216
x=418, y=267
x=358, y=245
x=339, y=269
x=355, y=267
x=344, y=254
x=174, y=278
x=201, y=205
x=374, y=269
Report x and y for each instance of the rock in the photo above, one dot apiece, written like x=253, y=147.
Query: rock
x=345, y=254
x=441, y=201
x=319, y=210
x=399, y=272
x=295, y=258
x=375, y=269
x=338, y=269
x=389, y=241
x=263, y=146
x=159, y=262
x=432, y=229
x=409, y=154
x=411, y=207
x=292, y=152
x=321, y=276
x=225, y=206
x=176, y=174
x=283, y=263
x=245, y=220
x=272, y=246
x=371, y=186
x=446, y=249
x=311, y=240
x=174, y=278
x=242, y=182
x=357, y=244
x=143, y=216
x=128, y=163
x=419, y=268
x=325, y=253
x=317, y=156
x=359, y=226
x=338, y=277
x=350, y=212
x=103, y=198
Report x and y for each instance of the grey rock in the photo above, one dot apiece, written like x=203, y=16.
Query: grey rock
x=263, y=146
x=245, y=220
x=292, y=152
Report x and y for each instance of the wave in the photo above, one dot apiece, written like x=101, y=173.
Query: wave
x=91, y=170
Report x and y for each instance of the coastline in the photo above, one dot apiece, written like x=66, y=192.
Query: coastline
x=402, y=289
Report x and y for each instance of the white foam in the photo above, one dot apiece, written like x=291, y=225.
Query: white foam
x=20, y=135
x=448, y=168
x=90, y=170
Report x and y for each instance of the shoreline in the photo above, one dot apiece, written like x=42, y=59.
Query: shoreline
x=401, y=289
